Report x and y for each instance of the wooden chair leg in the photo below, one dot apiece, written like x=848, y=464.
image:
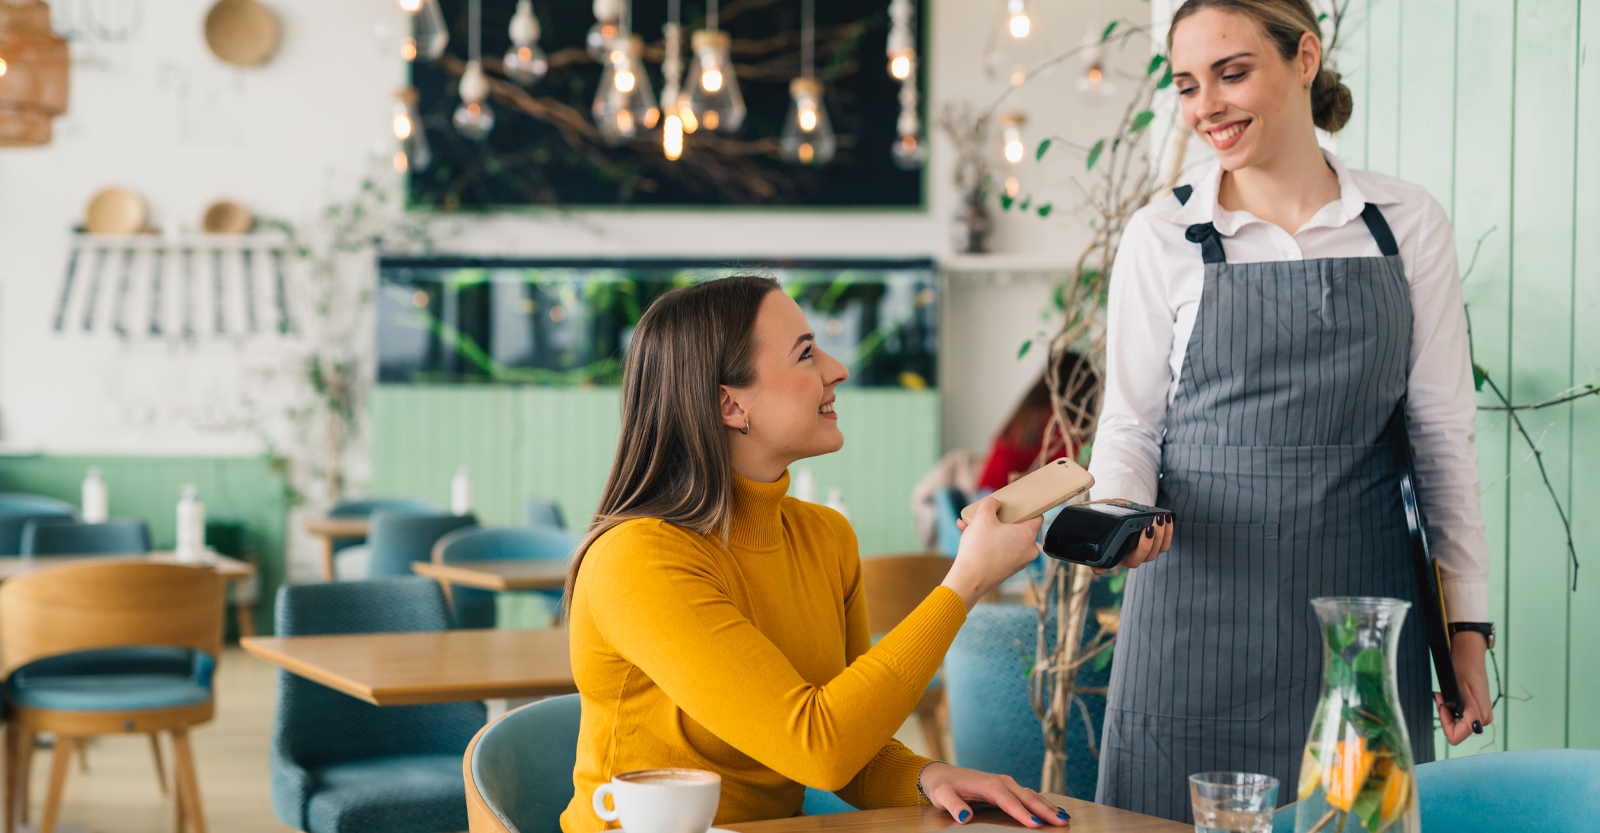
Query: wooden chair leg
x=27, y=745
x=188, y=784
x=12, y=770
x=161, y=767
x=60, y=762
x=83, y=755
x=177, y=798
x=245, y=615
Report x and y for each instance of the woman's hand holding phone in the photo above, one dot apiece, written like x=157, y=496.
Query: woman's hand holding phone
x=1156, y=540
x=990, y=552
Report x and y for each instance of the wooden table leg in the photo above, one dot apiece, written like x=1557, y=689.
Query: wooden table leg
x=60, y=763
x=245, y=615
x=13, y=771
x=161, y=767
x=327, y=558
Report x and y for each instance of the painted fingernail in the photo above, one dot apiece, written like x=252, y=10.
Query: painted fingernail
x=1036, y=820
x=1169, y=517
x=1149, y=532
x=964, y=815
x=1161, y=521
x=1062, y=814
x=1477, y=727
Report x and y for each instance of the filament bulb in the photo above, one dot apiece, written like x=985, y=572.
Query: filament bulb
x=625, y=80
x=711, y=80
x=1020, y=25
x=411, y=5
x=900, y=67
x=672, y=137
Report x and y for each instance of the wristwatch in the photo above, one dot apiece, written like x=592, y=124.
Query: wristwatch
x=1485, y=628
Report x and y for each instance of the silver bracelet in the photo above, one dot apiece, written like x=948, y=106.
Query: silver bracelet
x=922, y=796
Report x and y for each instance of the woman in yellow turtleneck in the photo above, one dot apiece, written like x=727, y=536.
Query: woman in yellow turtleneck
x=720, y=625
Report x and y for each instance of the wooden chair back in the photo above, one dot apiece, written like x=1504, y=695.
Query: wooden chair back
x=108, y=604
x=895, y=584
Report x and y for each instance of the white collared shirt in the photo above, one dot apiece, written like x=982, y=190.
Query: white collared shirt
x=1154, y=296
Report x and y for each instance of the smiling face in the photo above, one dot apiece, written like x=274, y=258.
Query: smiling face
x=1237, y=90
x=789, y=406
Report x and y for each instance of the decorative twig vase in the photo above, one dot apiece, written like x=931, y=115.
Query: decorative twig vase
x=1357, y=775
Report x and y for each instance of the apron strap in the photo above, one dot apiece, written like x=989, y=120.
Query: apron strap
x=1380, y=230
x=1203, y=233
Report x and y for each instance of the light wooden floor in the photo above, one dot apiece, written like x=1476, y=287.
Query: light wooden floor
x=119, y=793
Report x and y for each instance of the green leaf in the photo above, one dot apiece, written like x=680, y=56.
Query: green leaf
x=1478, y=376
x=1044, y=210
x=1106, y=35
x=1370, y=663
x=1103, y=659
x=1368, y=804
x=1006, y=201
x=1141, y=121
x=1156, y=61
x=1058, y=299
x=1117, y=582
x=1085, y=454
x=1043, y=147
x=1026, y=201
x=1026, y=345
x=1166, y=80
x=1094, y=154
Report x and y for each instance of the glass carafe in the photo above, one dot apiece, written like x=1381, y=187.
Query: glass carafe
x=1357, y=775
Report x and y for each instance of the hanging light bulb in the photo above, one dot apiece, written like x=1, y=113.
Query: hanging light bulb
x=714, y=96
x=428, y=36
x=671, y=96
x=414, y=154
x=1017, y=21
x=807, y=135
x=909, y=151
x=474, y=118
x=902, y=46
x=1011, y=136
x=1093, y=82
x=525, y=62
x=625, y=105
x=607, y=14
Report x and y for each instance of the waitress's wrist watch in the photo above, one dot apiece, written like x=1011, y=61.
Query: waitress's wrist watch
x=1485, y=628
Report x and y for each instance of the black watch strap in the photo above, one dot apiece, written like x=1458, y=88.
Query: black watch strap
x=1485, y=628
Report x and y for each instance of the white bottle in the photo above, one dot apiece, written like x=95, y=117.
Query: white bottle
x=191, y=527
x=805, y=485
x=836, y=502
x=94, y=498
x=461, y=492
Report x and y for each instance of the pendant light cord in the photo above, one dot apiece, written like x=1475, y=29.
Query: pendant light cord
x=474, y=26
x=674, y=12
x=711, y=15
x=808, y=36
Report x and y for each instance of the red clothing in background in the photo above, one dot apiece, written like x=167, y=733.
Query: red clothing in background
x=1006, y=460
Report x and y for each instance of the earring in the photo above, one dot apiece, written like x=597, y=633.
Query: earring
x=746, y=428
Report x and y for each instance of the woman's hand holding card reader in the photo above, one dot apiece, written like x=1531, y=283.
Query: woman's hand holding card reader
x=1099, y=534
x=1038, y=491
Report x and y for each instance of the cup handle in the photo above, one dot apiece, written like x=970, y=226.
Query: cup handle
x=600, y=810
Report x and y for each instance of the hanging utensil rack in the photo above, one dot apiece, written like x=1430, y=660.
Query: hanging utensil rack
x=168, y=263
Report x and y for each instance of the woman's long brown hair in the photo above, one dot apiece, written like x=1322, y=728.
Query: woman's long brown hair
x=673, y=461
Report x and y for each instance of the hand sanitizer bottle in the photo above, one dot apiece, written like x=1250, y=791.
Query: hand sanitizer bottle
x=94, y=498
x=836, y=502
x=805, y=485
x=191, y=527
x=461, y=492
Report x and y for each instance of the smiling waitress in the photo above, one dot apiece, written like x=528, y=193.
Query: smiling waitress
x=1264, y=325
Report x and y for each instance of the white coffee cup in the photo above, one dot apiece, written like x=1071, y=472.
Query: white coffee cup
x=661, y=800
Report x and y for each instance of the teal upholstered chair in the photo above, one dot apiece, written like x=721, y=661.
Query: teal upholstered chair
x=475, y=608
x=13, y=520
x=519, y=768
x=1535, y=791
x=340, y=765
x=50, y=537
x=537, y=511
x=349, y=554
x=992, y=723
x=396, y=540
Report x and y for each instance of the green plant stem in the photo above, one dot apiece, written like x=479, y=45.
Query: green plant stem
x=1538, y=458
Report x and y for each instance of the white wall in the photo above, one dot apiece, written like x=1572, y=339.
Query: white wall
x=162, y=116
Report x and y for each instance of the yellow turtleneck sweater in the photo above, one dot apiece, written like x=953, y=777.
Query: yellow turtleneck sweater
x=752, y=661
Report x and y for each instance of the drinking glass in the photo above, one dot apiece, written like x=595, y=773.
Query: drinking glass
x=1233, y=802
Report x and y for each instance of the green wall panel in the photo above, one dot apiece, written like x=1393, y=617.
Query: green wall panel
x=1488, y=104
x=558, y=443
x=246, y=490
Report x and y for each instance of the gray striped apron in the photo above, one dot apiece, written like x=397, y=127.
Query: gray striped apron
x=1275, y=467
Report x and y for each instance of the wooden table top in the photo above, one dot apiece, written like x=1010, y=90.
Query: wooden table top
x=338, y=527
x=12, y=566
x=511, y=574
x=402, y=669
x=1087, y=817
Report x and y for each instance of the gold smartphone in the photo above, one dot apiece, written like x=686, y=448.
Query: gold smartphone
x=1039, y=491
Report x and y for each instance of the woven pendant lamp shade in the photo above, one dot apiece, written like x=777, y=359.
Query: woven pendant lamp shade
x=33, y=88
